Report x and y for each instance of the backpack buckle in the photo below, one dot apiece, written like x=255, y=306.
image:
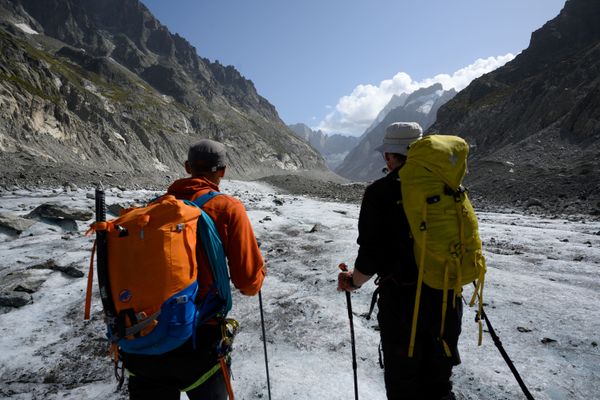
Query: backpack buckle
x=182, y=299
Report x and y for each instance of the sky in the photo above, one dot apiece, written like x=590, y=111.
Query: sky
x=542, y=291
x=334, y=64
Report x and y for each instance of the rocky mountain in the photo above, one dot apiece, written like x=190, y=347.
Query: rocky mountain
x=365, y=164
x=534, y=124
x=395, y=101
x=332, y=147
x=99, y=90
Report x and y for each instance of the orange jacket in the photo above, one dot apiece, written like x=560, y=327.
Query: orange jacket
x=246, y=265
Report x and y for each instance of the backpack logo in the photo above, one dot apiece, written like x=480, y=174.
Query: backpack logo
x=453, y=159
x=125, y=296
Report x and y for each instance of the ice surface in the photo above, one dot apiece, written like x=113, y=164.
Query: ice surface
x=542, y=283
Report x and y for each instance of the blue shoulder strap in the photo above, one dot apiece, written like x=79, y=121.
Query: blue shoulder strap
x=202, y=200
x=213, y=246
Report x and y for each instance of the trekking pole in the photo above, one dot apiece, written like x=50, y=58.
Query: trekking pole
x=262, y=322
x=507, y=359
x=102, y=257
x=344, y=268
x=504, y=354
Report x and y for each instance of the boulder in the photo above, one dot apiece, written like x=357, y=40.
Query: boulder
x=15, y=299
x=14, y=222
x=58, y=211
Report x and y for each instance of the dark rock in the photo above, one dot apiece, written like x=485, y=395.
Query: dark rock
x=26, y=289
x=48, y=264
x=534, y=202
x=70, y=270
x=58, y=211
x=316, y=228
x=15, y=299
x=14, y=222
x=548, y=340
x=115, y=209
x=523, y=329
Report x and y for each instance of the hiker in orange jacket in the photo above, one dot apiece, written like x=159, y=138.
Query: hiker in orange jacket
x=191, y=368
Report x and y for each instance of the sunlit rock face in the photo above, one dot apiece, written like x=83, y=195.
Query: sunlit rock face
x=100, y=90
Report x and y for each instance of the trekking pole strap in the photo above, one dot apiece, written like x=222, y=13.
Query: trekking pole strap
x=413, y=332
x=373, y=301
x=88, y=291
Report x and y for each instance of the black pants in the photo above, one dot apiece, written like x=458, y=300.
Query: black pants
x=425, y=376
x=165, y=376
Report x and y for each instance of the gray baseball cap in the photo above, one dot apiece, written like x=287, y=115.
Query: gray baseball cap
x=207, y=155
x=399, y=136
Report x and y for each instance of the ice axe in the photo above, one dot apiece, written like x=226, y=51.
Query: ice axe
x=344, y=268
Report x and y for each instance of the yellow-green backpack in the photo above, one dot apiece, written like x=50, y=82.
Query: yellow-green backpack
x=443, y=223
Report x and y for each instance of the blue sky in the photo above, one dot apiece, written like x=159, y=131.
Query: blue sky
x=333, y=64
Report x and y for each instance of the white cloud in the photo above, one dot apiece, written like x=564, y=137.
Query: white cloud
x=355, y=112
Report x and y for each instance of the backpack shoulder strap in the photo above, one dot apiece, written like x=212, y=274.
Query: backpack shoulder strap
x=213, y=246
x=205, y=198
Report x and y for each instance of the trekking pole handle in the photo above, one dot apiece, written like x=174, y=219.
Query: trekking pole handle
x=100, y=204
x=343, y=267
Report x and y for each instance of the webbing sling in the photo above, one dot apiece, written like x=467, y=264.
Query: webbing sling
x=413, y=333
x=203, y=378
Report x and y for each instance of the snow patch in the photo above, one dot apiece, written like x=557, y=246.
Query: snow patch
x=425, y=108
x=159, y=166
x=26, y=28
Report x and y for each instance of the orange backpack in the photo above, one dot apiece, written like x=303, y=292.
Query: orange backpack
x=147, y=273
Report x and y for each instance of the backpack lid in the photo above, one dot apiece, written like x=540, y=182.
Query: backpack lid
x=444, y=155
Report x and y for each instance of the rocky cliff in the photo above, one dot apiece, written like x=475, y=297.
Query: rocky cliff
x=99, y=90
x=363, y=163
x=534, y=124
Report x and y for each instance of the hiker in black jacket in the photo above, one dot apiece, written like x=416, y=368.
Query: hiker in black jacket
x=386, y=249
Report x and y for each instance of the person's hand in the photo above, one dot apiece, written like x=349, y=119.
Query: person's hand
x=345, y=283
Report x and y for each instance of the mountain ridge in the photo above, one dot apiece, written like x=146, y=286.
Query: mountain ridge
x=534, y=124
x=102, y=91
x=363, y=163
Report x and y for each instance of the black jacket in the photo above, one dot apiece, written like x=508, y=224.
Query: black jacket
x=384, y=239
